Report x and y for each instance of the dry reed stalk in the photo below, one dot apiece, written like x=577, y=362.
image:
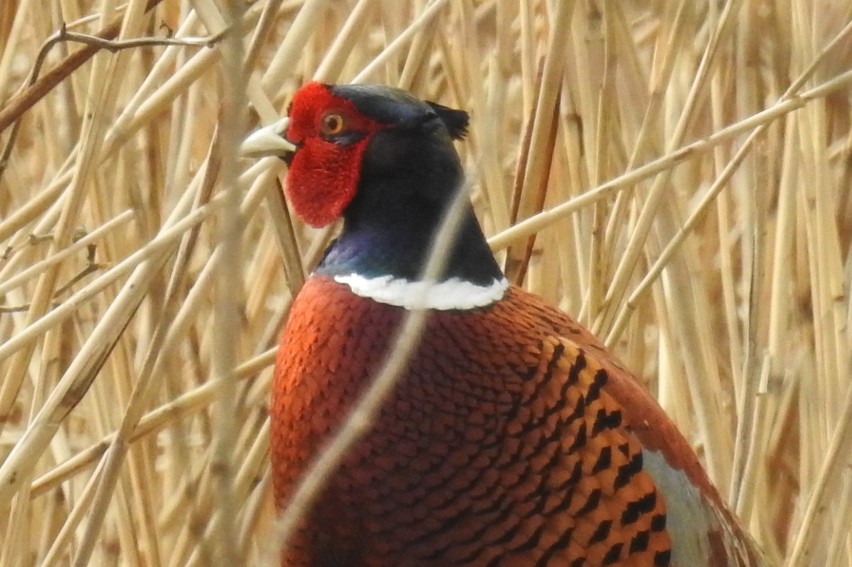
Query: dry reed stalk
x=686, y=199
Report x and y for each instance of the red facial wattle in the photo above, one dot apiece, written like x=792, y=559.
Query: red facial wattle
x=322, y=178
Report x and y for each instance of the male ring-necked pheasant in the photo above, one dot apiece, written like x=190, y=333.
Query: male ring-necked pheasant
x=514, y=437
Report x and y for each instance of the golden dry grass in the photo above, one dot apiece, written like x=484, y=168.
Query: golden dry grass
x=684, y=166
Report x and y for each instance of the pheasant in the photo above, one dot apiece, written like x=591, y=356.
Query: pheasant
x=513, y=436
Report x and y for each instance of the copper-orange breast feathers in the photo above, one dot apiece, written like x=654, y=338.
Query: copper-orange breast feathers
x=509, y=441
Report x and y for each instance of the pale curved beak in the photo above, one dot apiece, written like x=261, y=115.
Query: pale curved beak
x=268, y=141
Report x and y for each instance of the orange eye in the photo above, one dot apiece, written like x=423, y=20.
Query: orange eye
x=332, y=124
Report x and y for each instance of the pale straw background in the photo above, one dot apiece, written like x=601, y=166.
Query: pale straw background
x=693, y=160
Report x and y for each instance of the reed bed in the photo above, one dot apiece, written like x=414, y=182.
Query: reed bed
x=675, y=173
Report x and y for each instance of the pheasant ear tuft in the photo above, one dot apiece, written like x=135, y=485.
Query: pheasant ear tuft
x=456, y=121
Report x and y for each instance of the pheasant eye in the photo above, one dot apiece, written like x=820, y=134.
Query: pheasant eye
x=332, y=124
